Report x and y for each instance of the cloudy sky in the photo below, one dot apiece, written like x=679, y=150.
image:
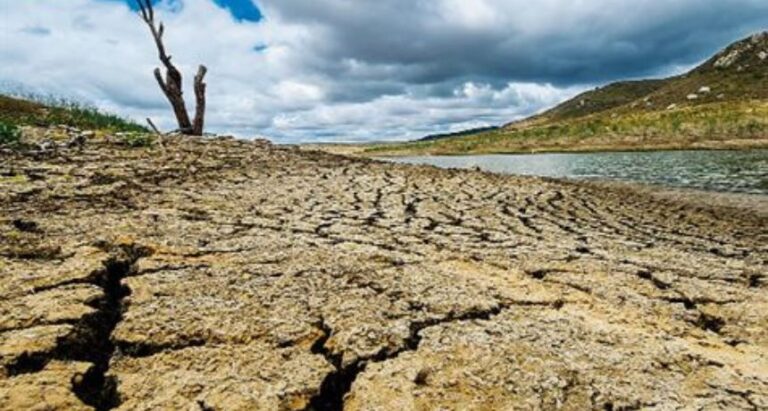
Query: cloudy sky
x=355, y=70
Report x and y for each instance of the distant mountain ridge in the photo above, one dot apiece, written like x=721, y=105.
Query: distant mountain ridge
x=458, y=133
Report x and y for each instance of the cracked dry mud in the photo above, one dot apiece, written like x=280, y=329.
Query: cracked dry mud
x=228, y=275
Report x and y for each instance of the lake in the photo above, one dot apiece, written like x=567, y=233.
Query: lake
x=725, y=171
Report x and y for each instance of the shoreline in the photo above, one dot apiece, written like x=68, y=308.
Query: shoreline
x=362, y=150
x=756, y=201
x=697, y=198
x=585, y=151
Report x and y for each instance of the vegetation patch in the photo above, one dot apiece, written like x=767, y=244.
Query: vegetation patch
x=49, y=111
x=10, y=135
x=711, y=125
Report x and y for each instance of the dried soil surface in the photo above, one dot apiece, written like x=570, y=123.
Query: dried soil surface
x=228, y=275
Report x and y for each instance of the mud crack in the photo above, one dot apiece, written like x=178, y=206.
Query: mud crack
x=90, y=340
x=93, y=343
x=338, y=383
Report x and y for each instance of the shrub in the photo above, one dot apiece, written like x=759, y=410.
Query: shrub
x=10, y=135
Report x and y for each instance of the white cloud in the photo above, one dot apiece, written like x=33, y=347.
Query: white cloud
x=363, y=69
x=473, y=15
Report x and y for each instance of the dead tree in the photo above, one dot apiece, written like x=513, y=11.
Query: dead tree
x=172, y=84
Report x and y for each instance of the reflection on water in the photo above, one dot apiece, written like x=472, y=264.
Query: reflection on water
x=730, y=171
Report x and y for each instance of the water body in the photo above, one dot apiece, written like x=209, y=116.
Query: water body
x=724, y=171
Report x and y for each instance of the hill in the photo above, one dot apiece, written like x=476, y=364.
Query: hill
x=458, y=133
x=594, y=101
x=22, y=112
x=723, y=103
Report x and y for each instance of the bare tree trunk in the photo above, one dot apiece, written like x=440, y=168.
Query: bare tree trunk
x=175, y=96
x=197, y=127
x=171, y=85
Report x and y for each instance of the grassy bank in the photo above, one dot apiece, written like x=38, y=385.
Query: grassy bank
x=711, y=126
x=48, y=112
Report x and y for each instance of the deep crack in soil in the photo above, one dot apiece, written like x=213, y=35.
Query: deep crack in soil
x=339, y=382
x=93, y=342
x=90, y=339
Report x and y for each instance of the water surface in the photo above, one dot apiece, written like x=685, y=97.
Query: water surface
x=725, y=171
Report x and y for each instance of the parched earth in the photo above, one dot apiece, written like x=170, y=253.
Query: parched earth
x=229, y=275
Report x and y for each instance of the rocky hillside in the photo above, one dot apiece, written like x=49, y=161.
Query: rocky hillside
x=216, y=274
x=594, y=101
x=725, y=98
x=737, y=73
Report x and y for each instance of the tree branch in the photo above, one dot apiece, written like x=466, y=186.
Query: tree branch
x=160, y=81
x=153, y=126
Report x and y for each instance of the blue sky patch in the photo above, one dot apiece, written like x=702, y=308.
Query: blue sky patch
x=242, y=10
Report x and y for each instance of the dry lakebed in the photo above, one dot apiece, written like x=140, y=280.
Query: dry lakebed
x=218, y=274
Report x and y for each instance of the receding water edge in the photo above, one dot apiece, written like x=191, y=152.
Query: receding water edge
x=734, y=171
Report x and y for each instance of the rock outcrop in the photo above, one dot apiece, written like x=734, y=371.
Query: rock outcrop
x=218, y=274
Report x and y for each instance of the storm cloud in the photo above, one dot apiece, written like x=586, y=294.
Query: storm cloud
x=356, y=70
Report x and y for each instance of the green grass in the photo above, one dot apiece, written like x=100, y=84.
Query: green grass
x=712, y=124
x=10, y=135
x=602, y=99
x=51, y=111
